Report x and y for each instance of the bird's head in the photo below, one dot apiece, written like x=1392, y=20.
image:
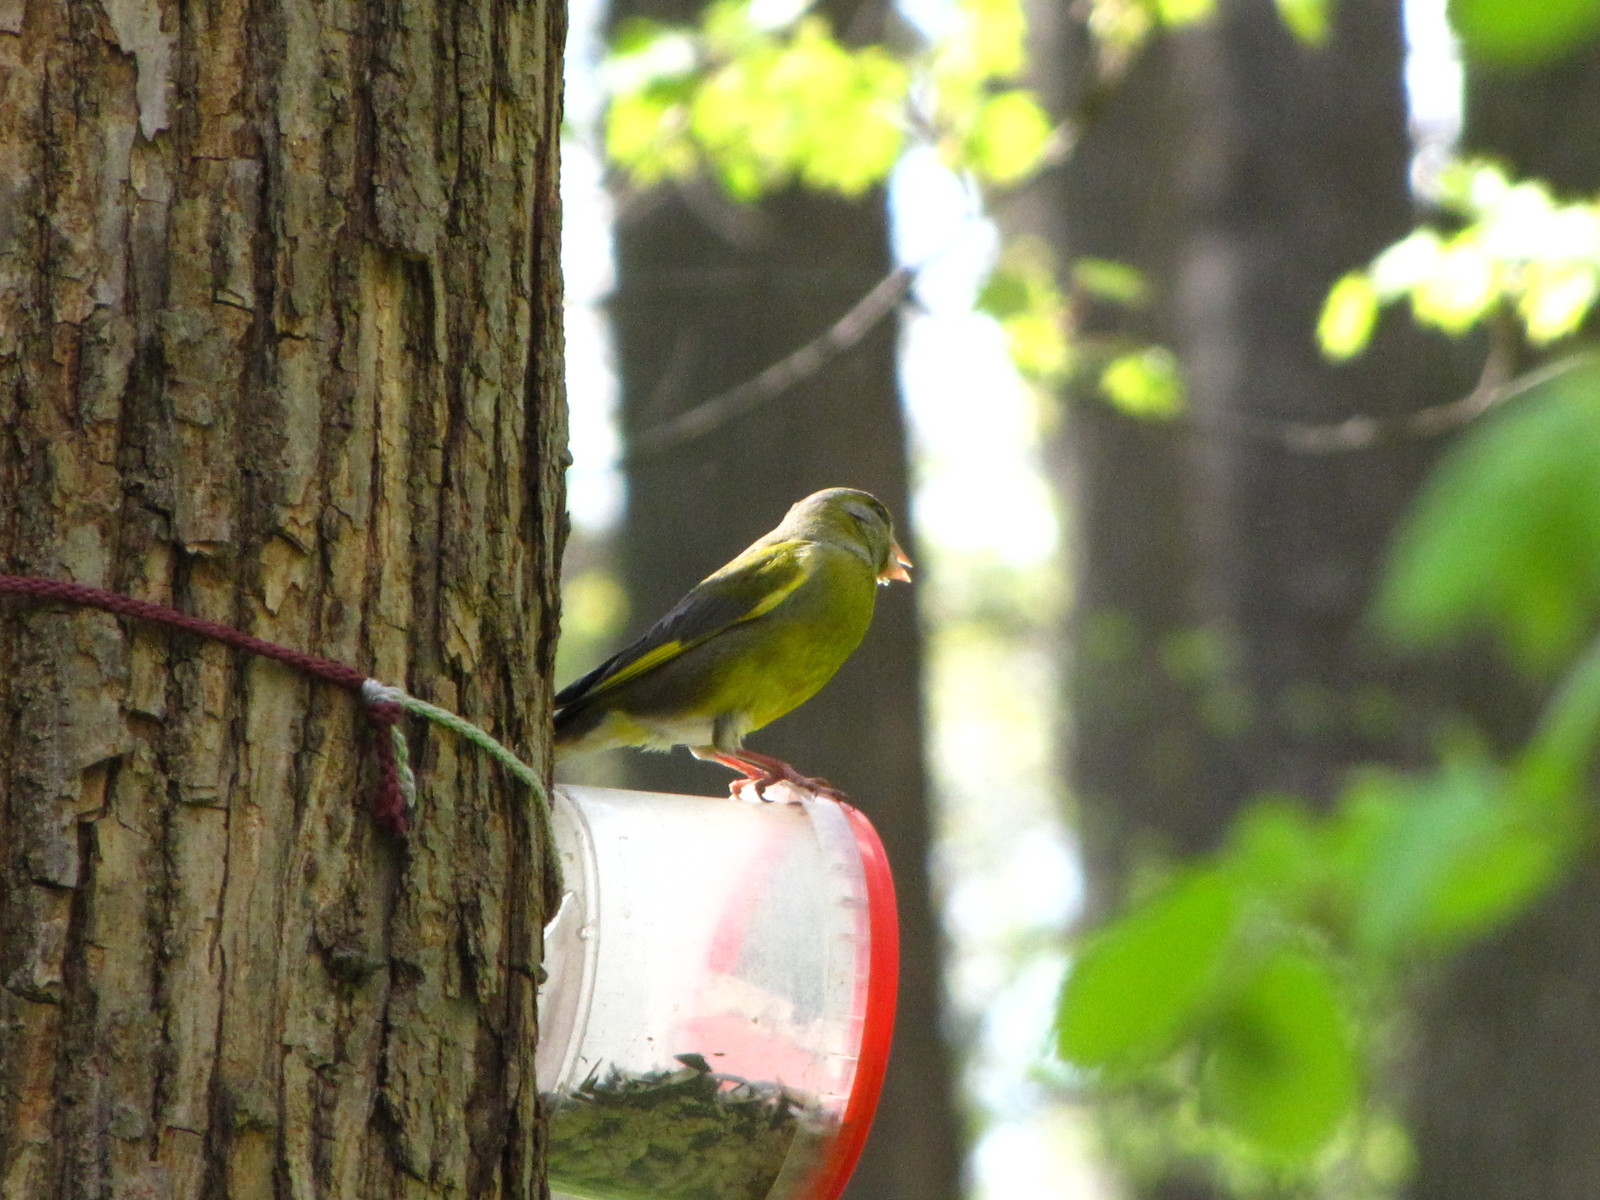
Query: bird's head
x=854, y=519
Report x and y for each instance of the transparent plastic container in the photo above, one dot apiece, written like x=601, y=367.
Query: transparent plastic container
x=719, y=999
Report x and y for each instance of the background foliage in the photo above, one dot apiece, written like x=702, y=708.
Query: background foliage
x=1246, y=1003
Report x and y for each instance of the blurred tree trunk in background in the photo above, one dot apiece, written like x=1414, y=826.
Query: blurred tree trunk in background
x=1539, y=122
x=1297, y=168
x=280, y=343
x=1221, y=570
x=1221, y=565
x=708, y=295
x=1507, y=1102
x=1146, y=765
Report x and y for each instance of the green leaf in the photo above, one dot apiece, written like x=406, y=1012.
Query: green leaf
x=801, y=107
x=1009, y=136
x=1455, y=855
x=1556, y=297
x=1144, y=383
x=1553, y=770
x=1021, y=294
x=634, y=35
x=1115, y=282
x=1278, y=849
x=1348, y=315
x=1282, y=1069
x=1147, y=979
x=645, y=134
x=1463, y=287
x=1176, y=13
x=1524, y=31
x=1306, y=19
x=1004, y=294
x=994, y=36
x=1507, y=531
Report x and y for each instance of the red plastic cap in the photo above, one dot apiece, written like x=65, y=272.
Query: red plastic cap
x=882, y=981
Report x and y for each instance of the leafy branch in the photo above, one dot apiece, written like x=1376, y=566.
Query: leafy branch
x=1252, y=972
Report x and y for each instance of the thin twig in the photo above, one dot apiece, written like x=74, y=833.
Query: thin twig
x=846, y=332
x=1494, y=387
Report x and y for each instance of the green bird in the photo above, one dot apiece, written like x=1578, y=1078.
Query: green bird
x=746, y=645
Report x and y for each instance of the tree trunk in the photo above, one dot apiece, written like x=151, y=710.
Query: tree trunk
x=1222, y=571
x=708, y=295
x=280, y=347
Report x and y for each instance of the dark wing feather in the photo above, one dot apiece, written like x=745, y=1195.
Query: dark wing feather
x=748, y=587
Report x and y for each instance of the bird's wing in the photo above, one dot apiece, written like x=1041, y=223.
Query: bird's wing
x=750, y=586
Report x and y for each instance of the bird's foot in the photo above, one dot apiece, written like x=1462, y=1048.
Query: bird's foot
x=761, y=771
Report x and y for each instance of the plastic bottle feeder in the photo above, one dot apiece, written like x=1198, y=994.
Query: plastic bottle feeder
x=720, y=995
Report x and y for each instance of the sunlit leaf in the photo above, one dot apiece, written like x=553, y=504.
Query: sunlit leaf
x=645, y=132
x=1184, y=12
x=804, y=107
x=1461, y=288
x=1021, y=293
x=1144, y=383
x=1507, y=532
x=635, y=35
x=1524, y=31
x=1556, y=297
x=1306, y=19
x=1282, y=1069
x=1407, y=263
x=1010, y=135
x=647, y=54
x=1121, y=26
x=1472, y=185
x=1348, y=316
x=1148, y=977
x=1006, y=293
x=994, y=34
x=1116, y=282
x=728, y=28
x=1039, y=345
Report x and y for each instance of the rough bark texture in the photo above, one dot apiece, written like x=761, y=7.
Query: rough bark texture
x=708, y=295
x=279, y=345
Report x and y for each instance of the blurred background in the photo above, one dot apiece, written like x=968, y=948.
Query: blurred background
x=1224, y=364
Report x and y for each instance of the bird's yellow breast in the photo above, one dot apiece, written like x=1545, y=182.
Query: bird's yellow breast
x=761, y=669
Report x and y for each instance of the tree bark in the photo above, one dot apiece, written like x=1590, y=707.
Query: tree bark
x=279, y=346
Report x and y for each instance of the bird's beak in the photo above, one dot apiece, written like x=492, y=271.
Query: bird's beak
x=898, y=568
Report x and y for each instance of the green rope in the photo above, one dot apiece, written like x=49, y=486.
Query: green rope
x=465, y=728
x=373, y=691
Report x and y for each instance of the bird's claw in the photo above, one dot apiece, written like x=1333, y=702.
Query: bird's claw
x=752, y=791
x=760, y=772
x=821, y=788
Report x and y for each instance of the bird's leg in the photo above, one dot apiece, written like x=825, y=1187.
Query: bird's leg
x=761, y=771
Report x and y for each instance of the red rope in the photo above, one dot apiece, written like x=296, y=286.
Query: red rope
x=388, y=801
